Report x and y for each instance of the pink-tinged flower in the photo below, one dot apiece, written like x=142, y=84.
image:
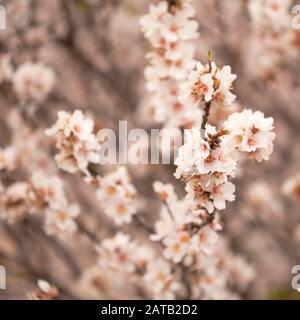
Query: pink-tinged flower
x=49, y=189
x=179, y=27
x=165, y=192
x=160, y=281
x=80, y=126
x=205, y=240
x=118, y=196
x=153, y=21
x=77, y=144
x=194, y=149
x=177, y=246
x=61, y=125
x=60, y=220
x=164, y=226
x=14, y=202
x=87, y=151
x=33, y=81
x=209, y=84
x=117, y=254
x=220, y=193
x=250, y=134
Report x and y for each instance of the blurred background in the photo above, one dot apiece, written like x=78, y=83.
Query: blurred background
x=97, y=52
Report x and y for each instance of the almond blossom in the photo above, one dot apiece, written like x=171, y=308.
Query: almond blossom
x=250, y=134
x=61, y=220
x=118, y=195
x=180, y=228
x=122, y=256
x=159, y=280
x=193, y=255
x=206, y=161
x=273, y=39
x=208, y=83
x=76, y=141
x=14, y=202
x=170, y=28
x=33, y=82
x=41, y=195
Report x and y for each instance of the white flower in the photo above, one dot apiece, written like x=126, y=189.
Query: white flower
x=151, y=22
x=169, y=28
x=177, y=246
x=205, y=240
x=220, y=193
x=165, y=191
x=197, y=196
x=60, y=220
x=80, y=126
x=87, y=151
x=164, y=226
x=117, y=254
x=160, y=281
x=196, y=156
x=209, y=84
x=33, y=81
x=121, y=212
x=194, y=149
x=197, y=88
x=61, y=125
x=14, y=202
x=50, y=189
x=77, y=144
x=250, y=133
x=118, y=195
x=66, y=162
x=225, y=77
x=179, y=27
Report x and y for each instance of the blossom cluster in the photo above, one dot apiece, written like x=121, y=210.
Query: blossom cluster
x=273, y=37
x=206, y=162
x=118, y=195
x=78, y=148
x=182, y=230
x=76, y=141
x=122, y=255
x=191, y=238
x=169, y=27
x=214, y=275
x=41, y=194
x=210, y=84
x=31, y=82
